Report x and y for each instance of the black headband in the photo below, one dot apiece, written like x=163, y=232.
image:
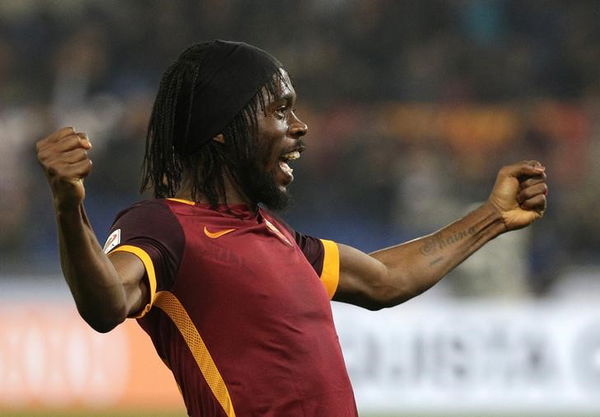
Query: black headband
x=223, y=77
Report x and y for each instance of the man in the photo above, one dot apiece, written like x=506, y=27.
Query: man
x=236, y=302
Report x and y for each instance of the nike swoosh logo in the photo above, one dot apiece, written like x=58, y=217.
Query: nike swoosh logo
x=214, y=235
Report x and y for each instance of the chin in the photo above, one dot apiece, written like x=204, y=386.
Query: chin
x=266, y=188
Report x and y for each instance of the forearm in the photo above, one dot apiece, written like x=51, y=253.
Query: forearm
x=416, y=266
x=391, y=276
x=95, y=284
x=105, y=291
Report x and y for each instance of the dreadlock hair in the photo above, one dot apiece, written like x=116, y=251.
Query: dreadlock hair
x=169, y=161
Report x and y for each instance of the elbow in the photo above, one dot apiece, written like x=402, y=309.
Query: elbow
x=102, y=326
x=374, y=305
x=373, y=301
x=387, y=296
x=381, y=303
x=103, y=322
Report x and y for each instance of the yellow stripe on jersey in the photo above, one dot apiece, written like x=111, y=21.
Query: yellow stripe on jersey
x=168, y=303
x=330, y=275
x=147, y=261
x=181, y=200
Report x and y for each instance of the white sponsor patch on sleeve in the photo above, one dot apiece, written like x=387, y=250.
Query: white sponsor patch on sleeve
x=113, y=240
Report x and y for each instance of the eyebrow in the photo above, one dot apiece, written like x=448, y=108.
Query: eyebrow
x=288, y=97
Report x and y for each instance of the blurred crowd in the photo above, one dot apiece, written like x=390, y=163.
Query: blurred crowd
x=412, y=107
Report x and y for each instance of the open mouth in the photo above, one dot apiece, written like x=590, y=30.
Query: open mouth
x=284, y=161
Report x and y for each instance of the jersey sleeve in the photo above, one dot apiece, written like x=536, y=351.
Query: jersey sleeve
x=324, y=256
x=150, y=231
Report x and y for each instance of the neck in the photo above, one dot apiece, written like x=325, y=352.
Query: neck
x=232, y=194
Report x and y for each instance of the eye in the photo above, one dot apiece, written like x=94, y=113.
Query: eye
x=280, y=112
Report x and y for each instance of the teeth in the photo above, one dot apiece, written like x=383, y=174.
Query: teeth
x=285, y=168
x=292, y=156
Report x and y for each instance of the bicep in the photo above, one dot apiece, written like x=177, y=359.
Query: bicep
x=363, y=279
x=132, y=272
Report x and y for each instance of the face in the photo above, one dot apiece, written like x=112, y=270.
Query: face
x=279, y=143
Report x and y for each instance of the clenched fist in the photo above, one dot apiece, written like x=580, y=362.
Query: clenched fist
x=64, y=157
x=519, y=194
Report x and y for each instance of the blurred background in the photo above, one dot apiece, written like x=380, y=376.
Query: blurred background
x=412, y=108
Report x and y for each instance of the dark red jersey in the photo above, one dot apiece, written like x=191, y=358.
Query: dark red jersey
x=239, y=309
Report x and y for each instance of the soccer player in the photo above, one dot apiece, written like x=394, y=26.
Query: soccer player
x=235, y=301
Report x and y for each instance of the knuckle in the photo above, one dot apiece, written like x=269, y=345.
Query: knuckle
x=43, y=156
x=75, y=155
x=66, y=131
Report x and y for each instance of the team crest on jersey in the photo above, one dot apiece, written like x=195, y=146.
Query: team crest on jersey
x=113, y=240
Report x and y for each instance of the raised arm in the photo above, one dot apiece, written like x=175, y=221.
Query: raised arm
x=391, y=276
x=105, y=290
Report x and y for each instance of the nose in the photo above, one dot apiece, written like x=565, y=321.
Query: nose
x=297, y=127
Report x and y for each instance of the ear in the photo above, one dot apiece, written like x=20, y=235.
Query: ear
x=219, y=138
